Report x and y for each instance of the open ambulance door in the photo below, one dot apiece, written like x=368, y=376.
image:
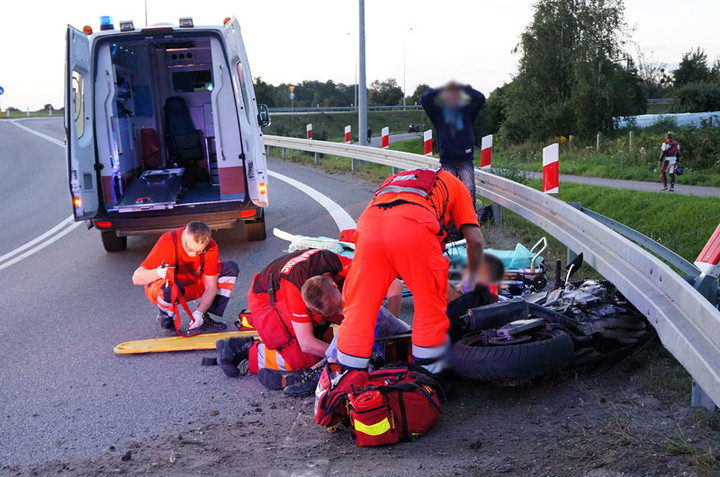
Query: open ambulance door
x=82, y=173
x=253, y=145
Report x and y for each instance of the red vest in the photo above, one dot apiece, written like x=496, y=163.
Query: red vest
x=297, y=267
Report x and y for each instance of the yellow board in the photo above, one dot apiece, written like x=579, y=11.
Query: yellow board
x=179, y=343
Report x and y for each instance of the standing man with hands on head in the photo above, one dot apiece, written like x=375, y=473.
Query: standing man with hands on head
x=199, y=274
x=453, y=117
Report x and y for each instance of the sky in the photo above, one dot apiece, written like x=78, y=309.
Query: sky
x=291, y=41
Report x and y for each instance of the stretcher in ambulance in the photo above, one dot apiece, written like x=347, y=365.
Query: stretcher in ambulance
x=162, y=128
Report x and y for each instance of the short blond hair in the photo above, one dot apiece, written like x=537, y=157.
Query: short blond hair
x=315, y=292
x=199, y=231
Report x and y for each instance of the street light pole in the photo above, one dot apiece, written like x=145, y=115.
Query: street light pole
x=362, y=93
x=355, y=78
x=405, y=66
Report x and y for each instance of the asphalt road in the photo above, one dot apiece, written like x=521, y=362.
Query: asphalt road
x=64, y=393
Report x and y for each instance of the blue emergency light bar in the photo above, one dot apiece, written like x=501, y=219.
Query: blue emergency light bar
x=106, y=23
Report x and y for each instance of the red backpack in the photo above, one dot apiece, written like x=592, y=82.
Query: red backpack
x=394, y=403
x=416, y=181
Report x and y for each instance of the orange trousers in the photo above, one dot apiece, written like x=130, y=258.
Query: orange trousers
x=399, y=241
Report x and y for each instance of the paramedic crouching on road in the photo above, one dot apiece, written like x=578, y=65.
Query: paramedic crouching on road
x=402, y=233
x=199, y=274
x=453, y=118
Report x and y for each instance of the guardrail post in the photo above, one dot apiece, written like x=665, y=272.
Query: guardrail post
x=269, y=153
x=284, y=152
x=497, y=214
x=597, y=141
x=353, y=165
x=631, y=137
x=317, y=158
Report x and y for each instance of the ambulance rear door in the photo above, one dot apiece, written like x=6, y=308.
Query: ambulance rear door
x=80, y=137
x=253, y=145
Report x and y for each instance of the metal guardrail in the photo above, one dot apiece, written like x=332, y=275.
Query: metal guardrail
x=687, y=324
x=342, y=109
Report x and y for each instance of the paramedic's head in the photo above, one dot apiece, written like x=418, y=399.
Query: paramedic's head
x=669, y=136
x=321, y=295
x=195, y=238
x=452, y=94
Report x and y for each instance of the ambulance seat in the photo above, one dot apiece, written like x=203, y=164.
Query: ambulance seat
x=186, y=144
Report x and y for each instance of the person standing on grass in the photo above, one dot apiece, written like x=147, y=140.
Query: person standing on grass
x=453, y=110
x=669, y=158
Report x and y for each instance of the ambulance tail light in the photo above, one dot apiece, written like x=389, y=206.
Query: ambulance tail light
x=263, y=188
x=104, y=224
x=77, y=202
x=246, y=214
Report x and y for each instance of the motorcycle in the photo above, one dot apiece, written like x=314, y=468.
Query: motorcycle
x=414, y=128
x=576, y=325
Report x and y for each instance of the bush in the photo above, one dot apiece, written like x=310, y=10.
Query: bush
x=697, y=98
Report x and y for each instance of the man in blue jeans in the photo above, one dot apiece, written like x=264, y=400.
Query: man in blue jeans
x=453, y=117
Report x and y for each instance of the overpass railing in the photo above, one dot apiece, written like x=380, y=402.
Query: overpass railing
x=687, y=323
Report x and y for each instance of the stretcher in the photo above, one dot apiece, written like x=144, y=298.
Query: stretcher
x=179, y=343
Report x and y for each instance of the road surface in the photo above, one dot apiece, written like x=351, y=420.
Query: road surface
x=64, y=392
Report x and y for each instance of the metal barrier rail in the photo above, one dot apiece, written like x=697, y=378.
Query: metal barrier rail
x=688, y=325
x=343, y=108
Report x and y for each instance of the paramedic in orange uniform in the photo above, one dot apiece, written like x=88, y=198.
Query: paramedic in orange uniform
x=199, y=274
x=288, y=312
x=402, y=233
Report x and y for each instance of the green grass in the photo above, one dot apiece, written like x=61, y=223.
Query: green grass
x=36, y=114
x=331, y=125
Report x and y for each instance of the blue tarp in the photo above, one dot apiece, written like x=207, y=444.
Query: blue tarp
x=680, y=119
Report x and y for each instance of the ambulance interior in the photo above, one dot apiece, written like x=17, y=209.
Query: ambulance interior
x=155, y=124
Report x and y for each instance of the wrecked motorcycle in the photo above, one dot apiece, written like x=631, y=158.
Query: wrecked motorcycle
x=574, y=326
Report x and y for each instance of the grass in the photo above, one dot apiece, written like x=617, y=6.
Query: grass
x=33, y=114
x=704, y=460
x=331, y=125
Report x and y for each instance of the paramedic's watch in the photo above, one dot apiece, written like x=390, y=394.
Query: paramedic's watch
x=198, y=320
x=161, y=271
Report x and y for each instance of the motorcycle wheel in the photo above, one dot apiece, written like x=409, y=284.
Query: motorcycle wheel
x=548, y=352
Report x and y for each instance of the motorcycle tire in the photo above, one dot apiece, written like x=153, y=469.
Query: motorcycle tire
x=512, y=362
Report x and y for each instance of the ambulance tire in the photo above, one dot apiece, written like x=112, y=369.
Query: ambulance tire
x=545, y=354
x=256, y=231
x=112, y=242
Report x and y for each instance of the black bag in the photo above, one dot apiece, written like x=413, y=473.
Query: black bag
x=679, y=170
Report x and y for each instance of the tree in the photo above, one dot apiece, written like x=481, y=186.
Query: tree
x=264, y=92
x=48, y=106
x=385, y=93
x=697, y=97
x=656, y=80
x=693, y=68
x=415, y=97
x=569, y=71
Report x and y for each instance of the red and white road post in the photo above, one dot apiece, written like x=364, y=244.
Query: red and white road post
x=309, y=131
x=348, y=134
x=385, y=140
x=709, y=259
x=551, y=172
x=486, y=152
x=427, y=142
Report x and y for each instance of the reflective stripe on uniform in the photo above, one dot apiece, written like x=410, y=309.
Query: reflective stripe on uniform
x=227, y=280
x=353, y=361
x=224, y=292
x=398, y=189
x=271, y=359
x=429, y=353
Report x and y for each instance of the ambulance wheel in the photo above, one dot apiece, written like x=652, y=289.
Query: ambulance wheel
x=547, y=352
x=256, y=230
x=112, y=242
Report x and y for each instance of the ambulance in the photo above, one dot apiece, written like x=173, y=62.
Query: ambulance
x=163, y=128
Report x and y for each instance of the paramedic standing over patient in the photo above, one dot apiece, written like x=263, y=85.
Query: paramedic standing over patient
x=402, y=233
x=453, y=118
x=669, y=157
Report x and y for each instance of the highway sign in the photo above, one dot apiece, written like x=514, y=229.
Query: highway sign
x=1, y=90
x=292, y=95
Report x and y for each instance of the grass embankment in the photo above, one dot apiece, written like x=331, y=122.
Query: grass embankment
x=331, y=125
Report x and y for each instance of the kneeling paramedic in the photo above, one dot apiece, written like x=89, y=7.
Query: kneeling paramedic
x=402, y=233
x=292, y=303
x=198, y=274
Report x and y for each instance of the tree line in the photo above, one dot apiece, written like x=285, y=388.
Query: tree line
x=576, y=72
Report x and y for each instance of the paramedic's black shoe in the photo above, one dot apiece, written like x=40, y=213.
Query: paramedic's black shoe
x=211, y=326
x=306, y=386
x=275, y=380
x=231, y=352
x=672, y=189
x=166, y=321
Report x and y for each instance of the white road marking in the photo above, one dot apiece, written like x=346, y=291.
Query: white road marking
x=17, y=123
x=342, y=219
x=42, y=245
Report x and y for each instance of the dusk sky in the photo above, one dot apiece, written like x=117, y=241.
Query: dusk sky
x=470, y=41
